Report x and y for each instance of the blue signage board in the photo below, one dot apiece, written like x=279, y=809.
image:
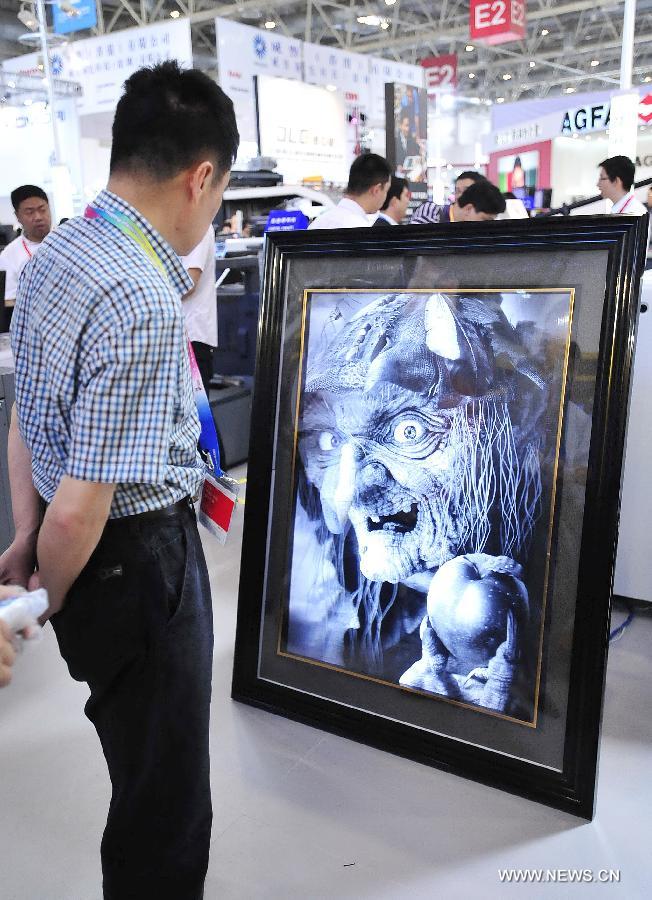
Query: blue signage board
x=286, y=220
x=65, y=23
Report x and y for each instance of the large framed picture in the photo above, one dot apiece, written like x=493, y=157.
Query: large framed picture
x=433, y=489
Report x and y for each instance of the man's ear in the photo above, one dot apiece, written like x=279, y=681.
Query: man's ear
x=200, y=177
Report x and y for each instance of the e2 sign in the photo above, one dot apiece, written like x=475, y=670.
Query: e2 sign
x=497, y=21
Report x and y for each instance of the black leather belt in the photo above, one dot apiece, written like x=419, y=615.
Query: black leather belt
x=167, y=512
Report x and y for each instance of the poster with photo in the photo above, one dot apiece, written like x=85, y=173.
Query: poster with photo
x=427, y=446
x=519, y=172
x=406, y=130
x=433, y=487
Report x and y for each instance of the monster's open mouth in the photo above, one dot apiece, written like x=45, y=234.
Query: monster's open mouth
x=400, y=522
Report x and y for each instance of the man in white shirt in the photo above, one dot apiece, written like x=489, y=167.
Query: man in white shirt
x=369, y=181
x=615, y=180
x=32, y=210
x=200, y=304
x=393, y=210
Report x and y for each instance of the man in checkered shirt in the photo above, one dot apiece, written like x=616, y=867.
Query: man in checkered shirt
x=104, y=438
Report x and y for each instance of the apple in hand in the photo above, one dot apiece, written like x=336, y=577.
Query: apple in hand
x=468, y=601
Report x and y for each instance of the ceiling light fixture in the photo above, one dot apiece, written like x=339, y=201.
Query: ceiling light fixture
x=647, y=79
x=471, y=74
x=374, y=21
x=500, y=99
x=544, y=32
x=595, y=62
x=506, y=76
x=269, y=24
x=569, y=90
x=175, y=14
x=331, y=87
x=390, y=2
x=532, y=64
x=469, y=48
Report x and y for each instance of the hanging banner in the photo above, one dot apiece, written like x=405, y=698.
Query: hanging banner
x=440, y=72
x=496, y=21
x=348, y=72
x=80, y=15
x=102, y=64
x=242, y=52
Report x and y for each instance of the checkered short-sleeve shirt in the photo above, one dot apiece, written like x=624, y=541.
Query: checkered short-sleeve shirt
x=103, y=387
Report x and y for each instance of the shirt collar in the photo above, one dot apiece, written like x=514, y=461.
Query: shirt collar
x=352, y=206
x=618, y=205
x=177, y=275
x=381, y=215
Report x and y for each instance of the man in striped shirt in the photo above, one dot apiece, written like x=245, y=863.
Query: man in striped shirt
x=104, y=438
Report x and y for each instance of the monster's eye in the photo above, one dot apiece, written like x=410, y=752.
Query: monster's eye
x=408, y=431
x=328, y=441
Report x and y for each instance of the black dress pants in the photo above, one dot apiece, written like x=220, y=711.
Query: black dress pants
x=137, y=627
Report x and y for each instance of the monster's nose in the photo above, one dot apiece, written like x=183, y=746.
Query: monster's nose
x=338, y=489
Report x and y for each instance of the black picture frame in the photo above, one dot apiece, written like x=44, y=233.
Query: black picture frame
x=601, y=258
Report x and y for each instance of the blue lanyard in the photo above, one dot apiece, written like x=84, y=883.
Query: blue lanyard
x=208, y=442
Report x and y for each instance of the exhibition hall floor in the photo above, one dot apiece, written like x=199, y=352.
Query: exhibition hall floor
x=303, y=814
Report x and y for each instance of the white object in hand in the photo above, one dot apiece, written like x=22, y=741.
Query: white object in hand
x=23, y=610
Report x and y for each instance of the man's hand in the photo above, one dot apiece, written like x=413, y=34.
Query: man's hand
x=7, y=652
x=72, y=526
x=7, y=655
x=18, y=561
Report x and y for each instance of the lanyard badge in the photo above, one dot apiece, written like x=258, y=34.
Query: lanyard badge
x=219, y=493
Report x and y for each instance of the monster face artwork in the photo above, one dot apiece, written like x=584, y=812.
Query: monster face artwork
x=422, y=514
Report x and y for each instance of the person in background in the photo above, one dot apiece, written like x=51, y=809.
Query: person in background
x=465, y=180
x=104, y=439
x=431, y=213
x=615, y=180
x=393, y=210
x=369, y=181
x=406, y=142
x=648, y=202
x=32, y=210
x=200, y=305
x=480, y=202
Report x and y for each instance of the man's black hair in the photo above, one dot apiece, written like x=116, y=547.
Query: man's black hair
x=26, y=192
x=170, y=118
x=366, y=171
x=484, y=197
x=470, y=176
x=620, y=167
x=396, y=188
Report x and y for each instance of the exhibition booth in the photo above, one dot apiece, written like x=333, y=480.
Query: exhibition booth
x=557, y=144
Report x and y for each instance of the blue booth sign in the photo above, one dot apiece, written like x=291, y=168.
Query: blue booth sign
x=286, y=220
x=85, y=16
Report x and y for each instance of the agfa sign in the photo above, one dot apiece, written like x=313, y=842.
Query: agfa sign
x=497, y=21
x=586, y=118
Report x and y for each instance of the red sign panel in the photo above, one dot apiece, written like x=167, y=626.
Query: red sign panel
x=441, y=71
x=497, y=21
